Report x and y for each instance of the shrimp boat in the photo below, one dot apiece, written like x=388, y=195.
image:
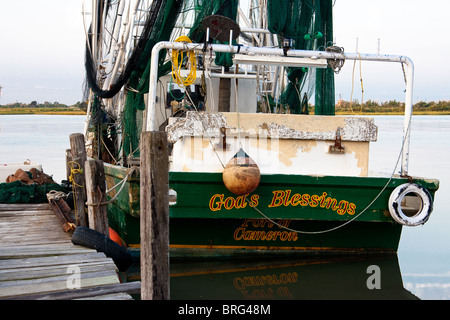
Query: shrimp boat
x=253, y=168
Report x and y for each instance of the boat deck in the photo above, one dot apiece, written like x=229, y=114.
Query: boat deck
x=39, y=261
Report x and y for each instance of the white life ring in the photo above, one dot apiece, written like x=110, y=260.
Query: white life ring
x=423, y=212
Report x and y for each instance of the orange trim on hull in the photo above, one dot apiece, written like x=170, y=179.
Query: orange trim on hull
x=188, y=246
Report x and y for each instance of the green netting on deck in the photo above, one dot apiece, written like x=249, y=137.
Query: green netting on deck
x=19, y=192
x=309, y=24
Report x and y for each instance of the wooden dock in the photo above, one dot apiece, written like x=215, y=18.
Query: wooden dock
x=39, y=261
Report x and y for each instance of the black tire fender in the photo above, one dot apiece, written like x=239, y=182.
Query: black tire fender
x=95, y=240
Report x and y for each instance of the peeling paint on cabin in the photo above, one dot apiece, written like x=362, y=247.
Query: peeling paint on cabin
x=273, y=126
x=289, y=144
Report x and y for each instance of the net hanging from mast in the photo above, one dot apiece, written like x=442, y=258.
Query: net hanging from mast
x=309, y=24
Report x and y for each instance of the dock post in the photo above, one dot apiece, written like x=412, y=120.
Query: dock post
x=154, y=198
x=68, y=159
x=78, y=158
x=96, y=196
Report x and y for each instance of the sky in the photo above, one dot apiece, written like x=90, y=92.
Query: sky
x=42, y=49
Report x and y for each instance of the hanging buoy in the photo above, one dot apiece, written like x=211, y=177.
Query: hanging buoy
x=241, y=174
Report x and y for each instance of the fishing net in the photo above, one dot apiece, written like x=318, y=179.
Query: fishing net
x=205, y=8
x=139, y=79
x=133, y=62
x=162, y=29
x=158, y=27
x=28, y=187
x=19, y=192
x=309, y=24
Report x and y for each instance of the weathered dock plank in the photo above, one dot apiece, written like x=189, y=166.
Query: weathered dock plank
x=39, y=261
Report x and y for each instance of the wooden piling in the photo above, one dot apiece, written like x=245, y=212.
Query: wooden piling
x=154, y=215
x=78, y=158
x=96, y=196
x=68, y=160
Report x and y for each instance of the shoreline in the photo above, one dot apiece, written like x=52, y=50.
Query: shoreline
x=338, y=113
x=8, y=111
x=415, y=113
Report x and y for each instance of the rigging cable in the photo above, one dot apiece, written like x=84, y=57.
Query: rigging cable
x=90, y=65
x=355, y=217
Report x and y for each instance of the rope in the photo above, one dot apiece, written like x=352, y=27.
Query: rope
x=74, y=171
x=353, y=83
x=236, y=105
x=335, y=64
x=134, y=168
x=55, y=195
x=204, y=129
x=177, y=61
x=355, y=217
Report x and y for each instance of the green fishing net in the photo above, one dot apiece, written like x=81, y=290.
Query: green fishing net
x=139, y=80
x=19, y=192
x=309, y=24
x=205, y=8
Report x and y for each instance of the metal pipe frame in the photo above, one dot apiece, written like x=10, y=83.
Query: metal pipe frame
x=151, y=109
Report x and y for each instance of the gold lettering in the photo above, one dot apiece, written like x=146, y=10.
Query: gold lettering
x=216, y=206
x=240, y=202
x=322, y=199
x=229, y=203
x=305, y=200
x=254, y=200
x=329, y=202
x=286, y=201
x=351, y=209
x=295, y=200
x=246, y=221
x=314, y=201
x=238, y=234
x=277, y=199
x=343, y=205
x=242, y=283
x=280, y=198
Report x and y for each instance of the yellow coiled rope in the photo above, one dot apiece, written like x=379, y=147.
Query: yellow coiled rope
x=177, y=61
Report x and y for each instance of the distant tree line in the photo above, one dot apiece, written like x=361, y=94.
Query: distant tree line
x=371, y=106
x=46, y=104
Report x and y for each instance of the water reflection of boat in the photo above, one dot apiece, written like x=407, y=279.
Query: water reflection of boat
x=288, y=279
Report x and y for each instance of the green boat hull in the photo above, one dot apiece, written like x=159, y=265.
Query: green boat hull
x=285, y=215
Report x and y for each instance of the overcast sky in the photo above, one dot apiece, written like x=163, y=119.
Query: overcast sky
x=42, y=46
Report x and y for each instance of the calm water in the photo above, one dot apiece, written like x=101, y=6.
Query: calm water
x=40, y=138
x=422, y=266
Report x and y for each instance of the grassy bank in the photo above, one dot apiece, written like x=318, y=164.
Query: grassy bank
x=44, y=108
x=369, y=107
x=48, y=111
x=394, y=113
x=11, y=111
x=392, y=107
